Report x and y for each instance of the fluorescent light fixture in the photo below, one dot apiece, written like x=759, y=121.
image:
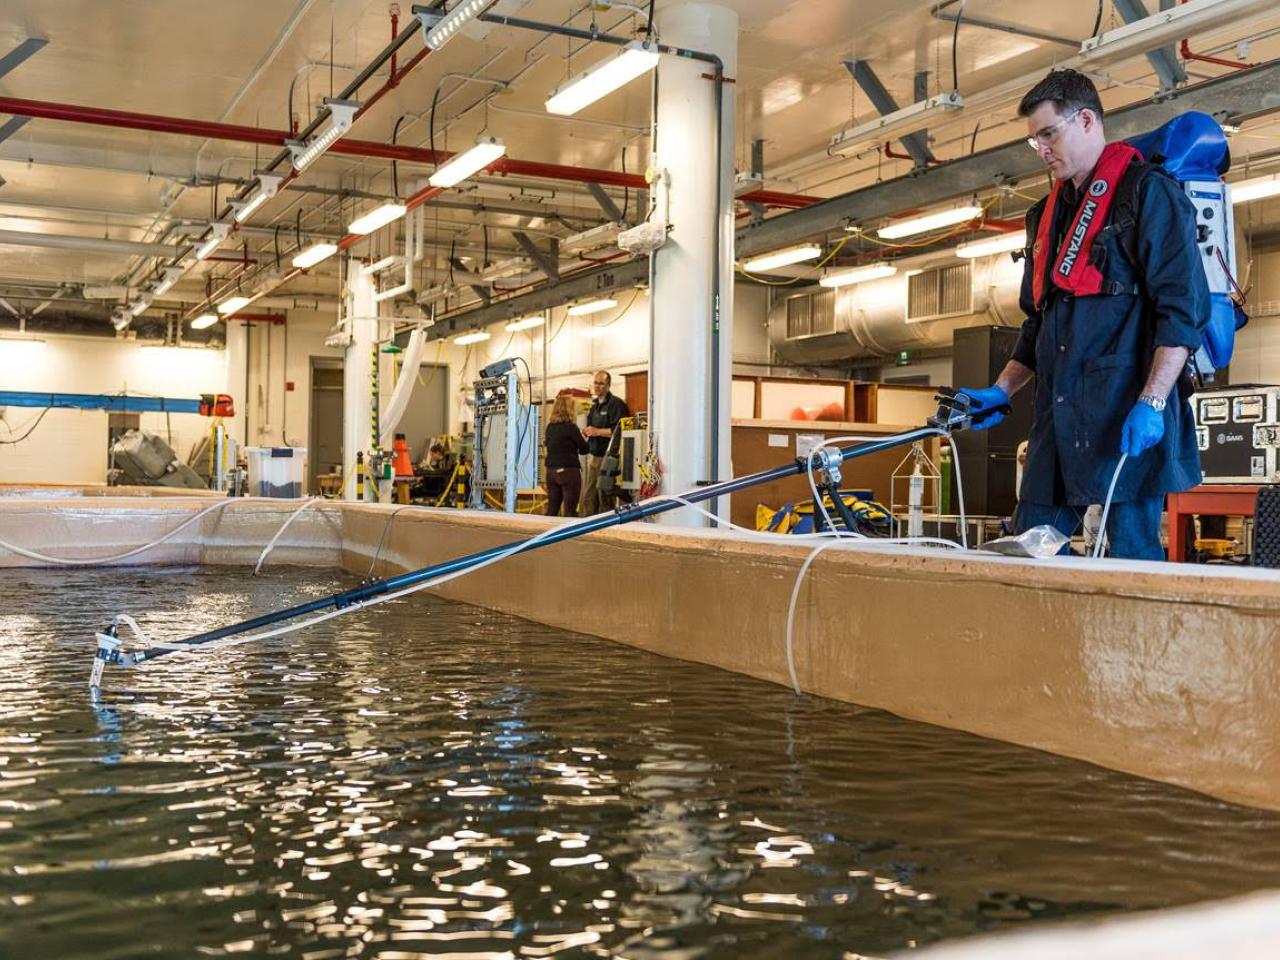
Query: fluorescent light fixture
x=232, y=304
x=218, y=233
x=784, y=258
x=169, y=277
x=525, y=323
x=479, y=336
x=910, y=119
x=929, y=221
x=592, y=306
x=1259, y=188
x=314, y=254
x=842, y=278
x=342, y=114
x=121, y=318
x=140, y=306
x=469, y=162
x=1005, y=243
x=377, y=217
x=605, y=235
x=1168, y=26
x=268, y=187
x=512, y=267
x=204, y=321
x=636, y=58
x=439, y=30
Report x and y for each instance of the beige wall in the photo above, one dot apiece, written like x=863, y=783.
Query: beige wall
x=70, y=446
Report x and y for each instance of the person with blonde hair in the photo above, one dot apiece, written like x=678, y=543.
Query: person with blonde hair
x=565, y=444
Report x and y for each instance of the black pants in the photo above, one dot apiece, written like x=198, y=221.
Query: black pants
x=564, y=485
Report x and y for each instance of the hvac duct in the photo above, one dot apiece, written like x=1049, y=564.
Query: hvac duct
x=919, y=309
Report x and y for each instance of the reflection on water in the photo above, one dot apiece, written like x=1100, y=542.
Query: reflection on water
x=427, y=779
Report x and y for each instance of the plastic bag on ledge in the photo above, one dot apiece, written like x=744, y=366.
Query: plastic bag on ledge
x=1038, y=542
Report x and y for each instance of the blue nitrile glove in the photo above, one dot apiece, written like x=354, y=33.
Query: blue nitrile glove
x=985, y=405
x=1143, y=429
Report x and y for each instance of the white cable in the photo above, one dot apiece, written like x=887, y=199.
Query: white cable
x=1106, y=508
x=72, y=562
x=283, y=527
x=804, y=569
x=955, y=465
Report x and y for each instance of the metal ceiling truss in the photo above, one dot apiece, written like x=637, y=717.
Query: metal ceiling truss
x=1242, y=95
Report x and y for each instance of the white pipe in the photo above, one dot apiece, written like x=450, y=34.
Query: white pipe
x=61, y=241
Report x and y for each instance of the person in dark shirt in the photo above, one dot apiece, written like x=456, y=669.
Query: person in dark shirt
x=602, y=420
x=1105, y=353
x=565, y=444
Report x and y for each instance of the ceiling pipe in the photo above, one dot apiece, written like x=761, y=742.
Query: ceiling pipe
x=156, y=123
x=22, y=238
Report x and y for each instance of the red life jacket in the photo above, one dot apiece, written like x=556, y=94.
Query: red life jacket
x=1073, y=267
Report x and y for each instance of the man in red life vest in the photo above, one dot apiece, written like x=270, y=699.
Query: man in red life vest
x=1112, y=319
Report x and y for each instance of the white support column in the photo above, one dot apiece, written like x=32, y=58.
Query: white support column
x=237, y=358
x=357, y=406
x=690, y=409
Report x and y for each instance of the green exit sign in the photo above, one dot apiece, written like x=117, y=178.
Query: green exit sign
x=904, y=358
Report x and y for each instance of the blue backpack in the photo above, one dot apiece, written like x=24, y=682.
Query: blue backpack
x=1192, y=149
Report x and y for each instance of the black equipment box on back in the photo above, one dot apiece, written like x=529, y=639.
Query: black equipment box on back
x=1238, y=432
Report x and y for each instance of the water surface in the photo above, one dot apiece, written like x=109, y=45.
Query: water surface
x=427, y=779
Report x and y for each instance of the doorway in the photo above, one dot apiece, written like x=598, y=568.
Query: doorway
x=324, y=453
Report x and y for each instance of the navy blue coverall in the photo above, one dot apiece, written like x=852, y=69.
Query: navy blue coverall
x=1091, y=356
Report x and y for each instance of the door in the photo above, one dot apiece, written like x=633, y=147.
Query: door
x=324, y=452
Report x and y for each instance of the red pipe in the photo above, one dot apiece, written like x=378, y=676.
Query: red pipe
x=1188, y=55
x=124, y=119
x=893, y=155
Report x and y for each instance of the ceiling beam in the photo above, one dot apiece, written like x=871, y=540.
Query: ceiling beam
x=1163, y=60
x=916, y=144
x=21, y=53
x=611, y=210
x=547, y=263
x=1240, y=95
x=585, y=283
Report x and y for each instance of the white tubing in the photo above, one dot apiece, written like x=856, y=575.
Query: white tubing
x=1106, y=508
x=283, y=527
x=404, y=386
x=955, y=465
x=75, y=562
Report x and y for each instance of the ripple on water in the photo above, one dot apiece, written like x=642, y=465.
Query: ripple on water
x=427, y=779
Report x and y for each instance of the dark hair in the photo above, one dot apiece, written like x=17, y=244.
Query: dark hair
x=1068, y=90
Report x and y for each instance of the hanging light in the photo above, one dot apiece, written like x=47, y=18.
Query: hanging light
x=842, y=278
x=342, y=114
x=592, y=306
x=232, y=304
x=377, y=217
x=218, y=232
x=526, y=323
x=314, y=254
x=268, y=187
x=469, y=162
x=638, y=57
x=439, y=30
x=1005, y=243
x=1259, y=188
x=204, y=321
x=784, y=258
x=169, y=277
x=897, y=229
x=479, y=336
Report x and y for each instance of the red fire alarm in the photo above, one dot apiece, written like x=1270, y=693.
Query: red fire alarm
x=288, y=385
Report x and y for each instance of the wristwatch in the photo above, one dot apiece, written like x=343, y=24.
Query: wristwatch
x=1155, y=403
